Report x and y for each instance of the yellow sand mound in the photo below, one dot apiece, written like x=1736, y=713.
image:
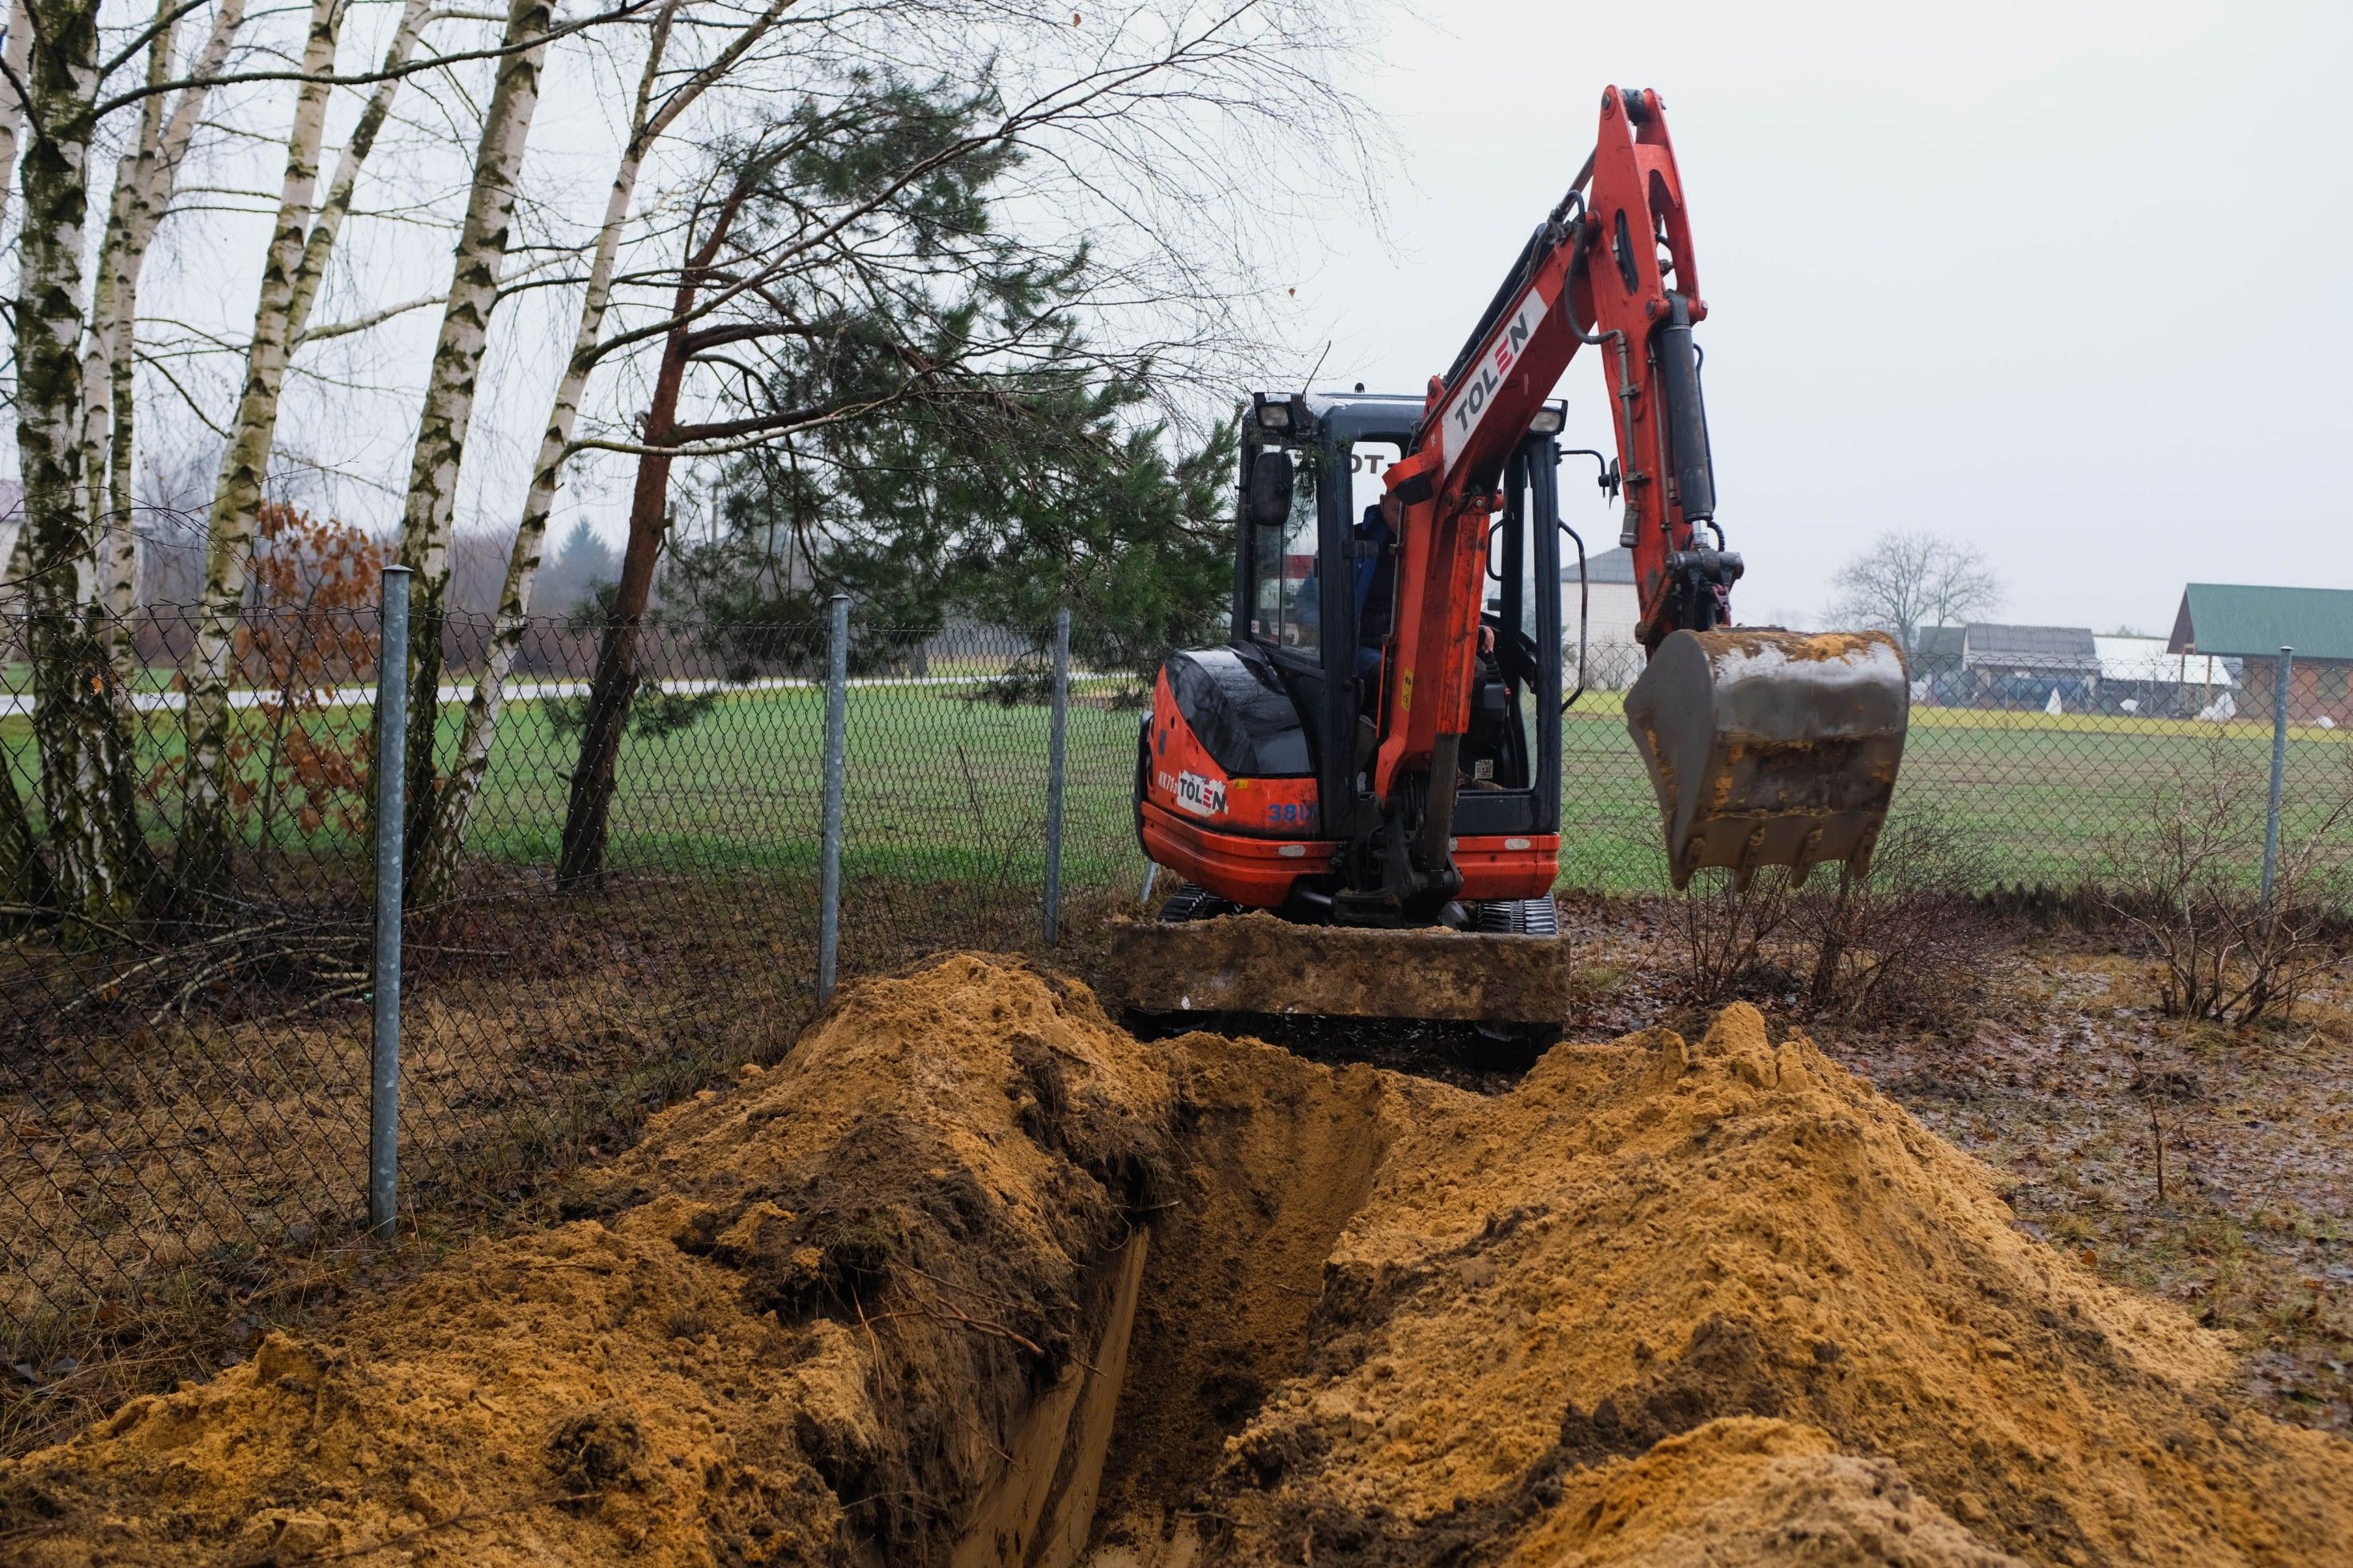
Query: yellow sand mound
x=1533, y=1332
x=810, y=1317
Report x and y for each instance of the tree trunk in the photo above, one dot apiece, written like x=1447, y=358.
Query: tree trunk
x=329, y=225
x=14, y=54
x=581, y=857
x=15, y=51
x=144, y=181
x=484, y=708
x=107, y=360
x=440, y=857
x=289, y=287
x=153, y=172
x=449, y=408
x=99, y=860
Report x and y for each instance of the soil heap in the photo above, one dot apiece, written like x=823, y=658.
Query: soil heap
x=971, y=1259
x=1724, y=1302
x=802, y=1322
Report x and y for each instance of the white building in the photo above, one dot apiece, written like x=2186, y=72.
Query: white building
x=2138, y=675
x=1613, y=609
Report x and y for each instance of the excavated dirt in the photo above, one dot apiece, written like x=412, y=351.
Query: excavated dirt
x=1724, y=1302
x=972, y=1268
x=814, y=1319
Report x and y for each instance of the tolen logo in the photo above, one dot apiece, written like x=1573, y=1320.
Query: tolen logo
x=1202, y=797
x=1487, y=377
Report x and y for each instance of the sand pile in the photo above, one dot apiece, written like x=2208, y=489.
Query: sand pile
x=810, y=1320
x=971, y=1258
x=1722, y=1302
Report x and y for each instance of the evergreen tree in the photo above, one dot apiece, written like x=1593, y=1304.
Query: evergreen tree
x=581, y=565
x=1006, y=466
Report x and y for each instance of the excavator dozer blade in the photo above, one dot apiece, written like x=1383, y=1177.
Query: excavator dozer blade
x=1771, y=747
x=1256, y=963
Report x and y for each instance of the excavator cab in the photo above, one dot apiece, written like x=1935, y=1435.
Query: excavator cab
x=1254, y=776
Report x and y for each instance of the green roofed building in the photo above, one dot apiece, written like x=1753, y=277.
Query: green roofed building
x=2231, y=620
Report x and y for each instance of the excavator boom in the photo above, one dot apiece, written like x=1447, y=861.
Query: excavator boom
x=1789, y=762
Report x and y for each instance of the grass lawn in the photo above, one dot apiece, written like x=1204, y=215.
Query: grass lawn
x=943, y=788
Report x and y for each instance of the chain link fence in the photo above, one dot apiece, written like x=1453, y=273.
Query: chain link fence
x=2050, y=780
x=185, y=1099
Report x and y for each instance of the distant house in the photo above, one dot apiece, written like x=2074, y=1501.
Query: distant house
x=2140, y=675
x=1936, y=651
x=2253, y=624
x=1986, y=665
x=1613, y=609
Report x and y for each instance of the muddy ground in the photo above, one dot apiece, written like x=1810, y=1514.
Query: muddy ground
x=973, y=1276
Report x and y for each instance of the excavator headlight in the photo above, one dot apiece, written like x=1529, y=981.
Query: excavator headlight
x=1548, y=420
x=1273, y=416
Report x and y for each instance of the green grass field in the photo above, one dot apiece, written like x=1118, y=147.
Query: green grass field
x=941, y=788
x=2040, y=794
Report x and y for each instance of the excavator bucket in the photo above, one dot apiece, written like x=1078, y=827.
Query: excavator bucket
x=1771, y=747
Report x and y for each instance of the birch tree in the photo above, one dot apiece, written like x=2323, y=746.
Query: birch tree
x=98, y=858
x=143, y=182
x=14, y=49
x=649, y=121
x=451, y=384
x=154, y=175
x=236, y=499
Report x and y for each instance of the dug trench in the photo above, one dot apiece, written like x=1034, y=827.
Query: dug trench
x=973, y=1277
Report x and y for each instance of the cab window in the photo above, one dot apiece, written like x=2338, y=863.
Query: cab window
x=1286, y=593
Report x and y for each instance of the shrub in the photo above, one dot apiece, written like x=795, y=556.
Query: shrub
x=1905, y=944
x=2183, y=876
x=1731, y=932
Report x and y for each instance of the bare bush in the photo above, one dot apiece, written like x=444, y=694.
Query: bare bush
x=1730, y=934
x=2182, y=876
x=1907, y=943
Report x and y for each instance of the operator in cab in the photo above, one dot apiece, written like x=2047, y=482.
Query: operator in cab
x=1373, y=578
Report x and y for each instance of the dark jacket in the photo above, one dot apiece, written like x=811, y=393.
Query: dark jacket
x=1376, y=579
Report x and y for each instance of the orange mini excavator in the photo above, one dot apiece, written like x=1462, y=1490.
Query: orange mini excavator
x=1376, y=751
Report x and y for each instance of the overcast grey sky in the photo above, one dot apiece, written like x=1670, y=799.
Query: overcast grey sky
x=2066, y=279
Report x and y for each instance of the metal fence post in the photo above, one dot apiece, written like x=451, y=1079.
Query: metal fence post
x=2279, y=766
x=1057, y=729
x=837, y=724
x=391, y=848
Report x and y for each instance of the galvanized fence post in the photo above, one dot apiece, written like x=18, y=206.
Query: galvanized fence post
x=391, y=847
x=2279, y=766
x=837, y=723
x=1057, y=729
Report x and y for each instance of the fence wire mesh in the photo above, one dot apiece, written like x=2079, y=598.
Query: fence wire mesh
x=2048, y=779
x=185, y=1092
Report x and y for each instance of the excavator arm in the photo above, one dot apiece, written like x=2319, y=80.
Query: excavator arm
x=1801, y=772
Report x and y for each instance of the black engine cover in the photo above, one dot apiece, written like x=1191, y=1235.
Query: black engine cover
x=1236, y=703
